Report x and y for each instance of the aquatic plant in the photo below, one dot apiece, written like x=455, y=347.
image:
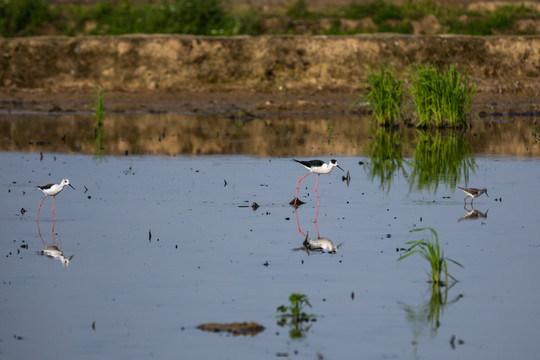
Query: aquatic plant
x=441, y=157
x=431, y=251
x=385, y=96
x=99, y=105
x=294, y=316
x=385, y=157
x=441, y=98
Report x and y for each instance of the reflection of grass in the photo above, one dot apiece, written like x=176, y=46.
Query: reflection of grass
x=294, y=316
x=441, y=157
x=429, y=312
x=385, y=155
x=385, y=96
x=329, y=132
x=443, y=98
x=99, y=104
x=432, y=252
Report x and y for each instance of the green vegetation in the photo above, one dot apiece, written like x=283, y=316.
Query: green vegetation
x=385, y=155
x=429, y=312
x=294, y=316
x=385, y=96
x=431, y=251
x=443, y=98
x=442, y=157
x=215, y=17
x=23, y=17
x=298, y=10
x=99, y=104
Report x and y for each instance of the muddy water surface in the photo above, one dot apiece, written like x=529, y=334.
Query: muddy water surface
x=159, y=244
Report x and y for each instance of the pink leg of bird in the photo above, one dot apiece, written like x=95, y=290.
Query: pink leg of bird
x=52, y=231
x=54, y=217
x=316, y=216
x=298, y=187
x=316, y=195
x=298, y=223
x=39, y=232
x=39, y=208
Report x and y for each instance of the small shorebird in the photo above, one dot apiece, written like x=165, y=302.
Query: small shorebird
x=52, y=190
x=318, y=167
x=473, y=193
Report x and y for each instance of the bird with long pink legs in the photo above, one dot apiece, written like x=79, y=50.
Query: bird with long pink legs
x=52, y=190
x=317, y=167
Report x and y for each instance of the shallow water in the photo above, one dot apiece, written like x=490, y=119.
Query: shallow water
x=212, y=258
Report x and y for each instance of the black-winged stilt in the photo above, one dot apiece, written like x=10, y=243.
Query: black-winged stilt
x=318, y=167
x=52, y=190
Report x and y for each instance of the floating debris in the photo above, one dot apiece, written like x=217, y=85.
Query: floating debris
x=254, y=206
x=236, y=329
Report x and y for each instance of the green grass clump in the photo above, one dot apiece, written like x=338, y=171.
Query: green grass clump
x=23, y=17
x=431, y=251
x=442, y=98
x=385, y=96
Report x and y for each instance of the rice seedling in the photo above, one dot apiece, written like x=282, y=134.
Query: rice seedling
x=294, y=315
x=432, y=252
x=385, y=96
x=443, y=99
x=99, y=104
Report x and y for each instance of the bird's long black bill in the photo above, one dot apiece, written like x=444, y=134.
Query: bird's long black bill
x=72, y=187
x=340, y=168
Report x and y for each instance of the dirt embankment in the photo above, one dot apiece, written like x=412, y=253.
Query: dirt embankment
x=167, y=72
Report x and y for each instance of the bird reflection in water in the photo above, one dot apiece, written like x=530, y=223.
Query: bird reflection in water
x=52, y=251
x=473, y=214
x=320, y=244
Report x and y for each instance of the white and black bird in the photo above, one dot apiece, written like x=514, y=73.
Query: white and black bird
x=473, y=193
x=317, y=167
x=52, y=190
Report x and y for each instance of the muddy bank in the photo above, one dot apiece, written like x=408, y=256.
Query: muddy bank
x=284, y=73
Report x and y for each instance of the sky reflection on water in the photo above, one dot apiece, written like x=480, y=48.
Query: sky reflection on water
x=206, y=259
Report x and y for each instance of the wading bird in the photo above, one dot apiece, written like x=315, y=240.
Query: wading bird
x=473, y=193
x=318, y=167
x=52, y=190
